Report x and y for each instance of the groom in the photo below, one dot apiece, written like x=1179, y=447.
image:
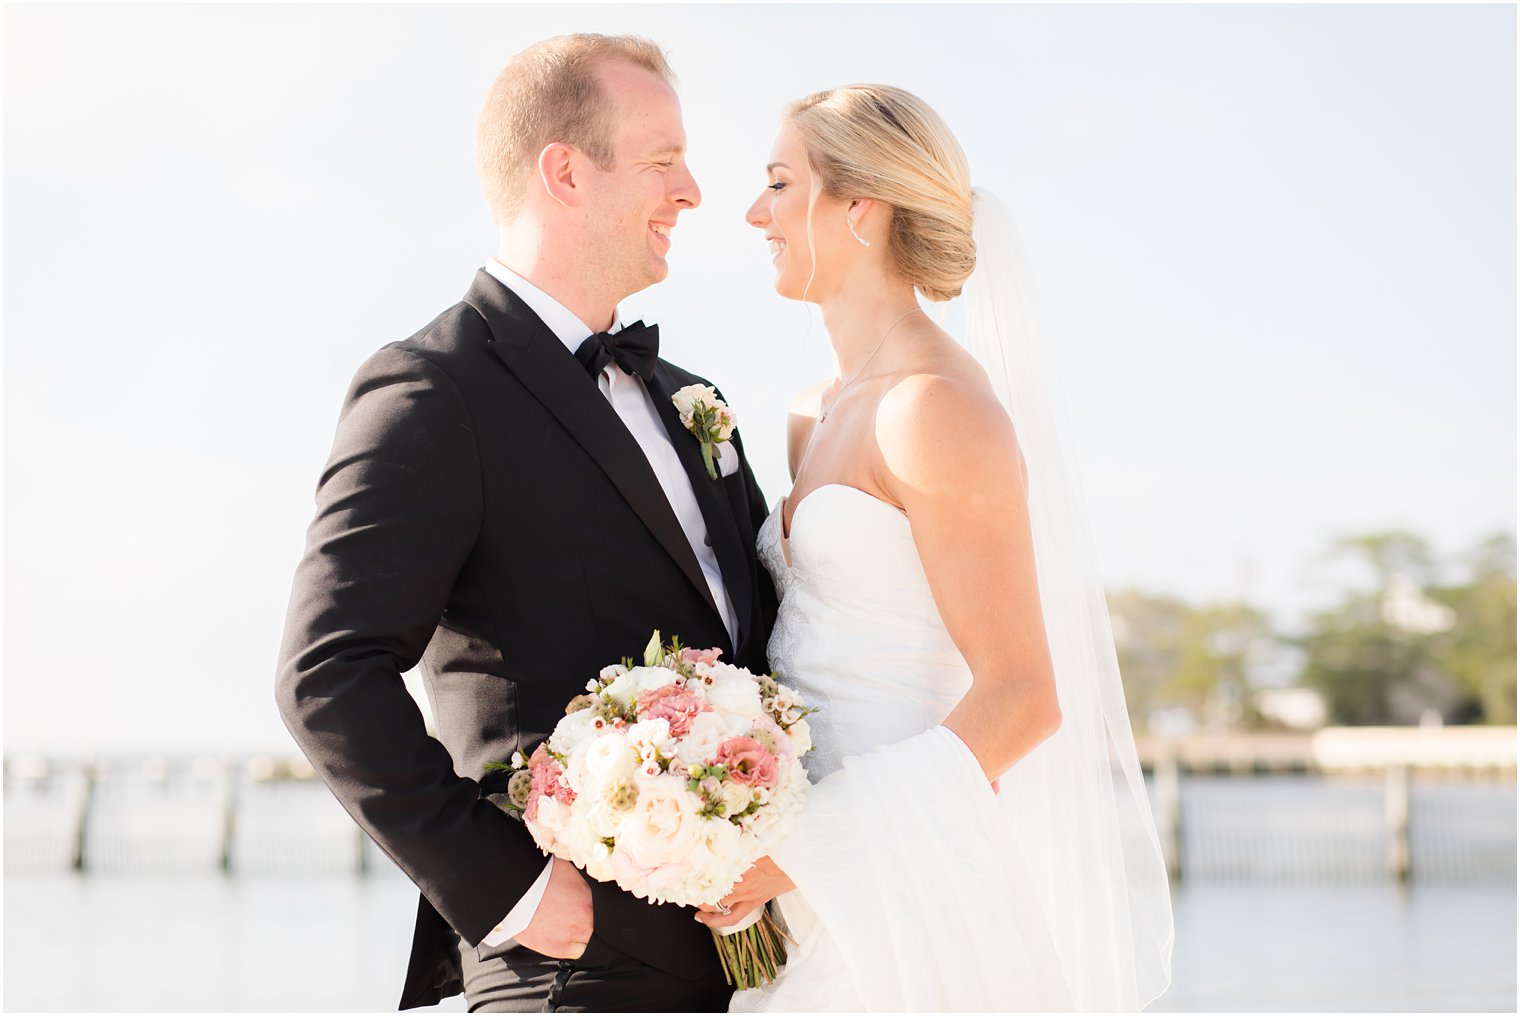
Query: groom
x=512, y=502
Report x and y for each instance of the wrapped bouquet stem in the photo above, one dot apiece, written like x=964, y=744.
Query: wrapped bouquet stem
x=752, y=950
x=671, y=778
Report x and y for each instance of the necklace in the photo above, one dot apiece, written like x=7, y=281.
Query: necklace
x=824, y=414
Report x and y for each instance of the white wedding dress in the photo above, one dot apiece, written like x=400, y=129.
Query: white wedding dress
x=918, y=889
x=911, y=894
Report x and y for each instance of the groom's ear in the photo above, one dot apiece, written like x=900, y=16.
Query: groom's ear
x=556, y=172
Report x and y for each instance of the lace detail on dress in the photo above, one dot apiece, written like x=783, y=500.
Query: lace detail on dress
x=792, y=626
x=768, y=548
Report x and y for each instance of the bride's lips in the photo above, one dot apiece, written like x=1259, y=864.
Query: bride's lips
x=778, y=245
x=661, y=230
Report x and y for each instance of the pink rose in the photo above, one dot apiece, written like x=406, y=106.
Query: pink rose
x=700, y=655
x=673, y=704
x=747, y=762
x=545, y=773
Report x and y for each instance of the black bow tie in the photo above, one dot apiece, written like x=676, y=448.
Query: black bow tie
x=635, y=349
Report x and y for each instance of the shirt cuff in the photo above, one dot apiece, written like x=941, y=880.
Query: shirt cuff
x=520, y=916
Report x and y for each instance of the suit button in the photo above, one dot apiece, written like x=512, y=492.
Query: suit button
x=707, y=540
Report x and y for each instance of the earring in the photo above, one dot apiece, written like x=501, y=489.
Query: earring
x=863, y=241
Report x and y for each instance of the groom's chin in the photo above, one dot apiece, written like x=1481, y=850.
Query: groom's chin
x=656, y=272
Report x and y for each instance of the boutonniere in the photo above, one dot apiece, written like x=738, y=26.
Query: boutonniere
x=705, y=415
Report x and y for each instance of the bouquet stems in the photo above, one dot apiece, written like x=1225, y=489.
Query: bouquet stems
x=752, y=957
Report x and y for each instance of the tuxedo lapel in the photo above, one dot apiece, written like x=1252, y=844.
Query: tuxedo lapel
x=537, y=358
x=722, y=529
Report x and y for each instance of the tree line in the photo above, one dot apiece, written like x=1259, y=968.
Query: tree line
x=1409, y=638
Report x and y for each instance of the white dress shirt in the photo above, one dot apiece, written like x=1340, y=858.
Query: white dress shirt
x=634, y=406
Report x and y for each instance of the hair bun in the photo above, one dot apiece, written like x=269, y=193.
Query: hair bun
x=881, y=142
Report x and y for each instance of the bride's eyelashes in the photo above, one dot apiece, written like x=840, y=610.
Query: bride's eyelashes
x=775, y=186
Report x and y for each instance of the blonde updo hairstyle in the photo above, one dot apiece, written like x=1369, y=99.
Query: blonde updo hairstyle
x=880, y=142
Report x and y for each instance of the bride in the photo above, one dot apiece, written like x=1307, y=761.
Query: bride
x=978, y=837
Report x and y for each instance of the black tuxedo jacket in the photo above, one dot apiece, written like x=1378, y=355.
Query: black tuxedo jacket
x=486, y=513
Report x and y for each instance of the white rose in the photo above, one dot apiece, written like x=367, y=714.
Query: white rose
x=663, y=825
x=627, y=686
x=597, y=820
x=573, y=731
x=786, y=803
x=650, y=678
x=708, y=731
x=581, y=833
x=606, y=761
x=649, y=736
x=770, y=824
x=735, y=797
x=621, y=688
x=689, y=398
x=720, y=858
x=733, y=691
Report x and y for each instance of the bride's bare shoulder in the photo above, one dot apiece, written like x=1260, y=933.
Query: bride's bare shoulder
x=945, y=386
x=943, y=421
x=926, y=402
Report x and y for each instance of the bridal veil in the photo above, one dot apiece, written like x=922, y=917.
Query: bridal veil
x=1077, y=804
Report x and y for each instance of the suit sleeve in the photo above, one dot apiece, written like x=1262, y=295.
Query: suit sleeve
x=398, y=509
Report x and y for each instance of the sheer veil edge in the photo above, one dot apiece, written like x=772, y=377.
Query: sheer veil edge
x=1077, y=805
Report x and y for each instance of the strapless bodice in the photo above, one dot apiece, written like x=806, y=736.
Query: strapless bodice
x=858, y=631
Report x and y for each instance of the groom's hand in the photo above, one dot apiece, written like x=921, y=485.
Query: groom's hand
x=761, y=884
x=561, y=925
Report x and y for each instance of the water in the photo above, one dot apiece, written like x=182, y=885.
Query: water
x=339, y=943
x=1343, y=948
x=1285, y=903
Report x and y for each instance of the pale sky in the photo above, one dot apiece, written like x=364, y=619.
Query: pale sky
x=1275, y=248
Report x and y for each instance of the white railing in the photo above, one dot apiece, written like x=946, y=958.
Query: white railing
x=1391, y=753
x=1340, y=804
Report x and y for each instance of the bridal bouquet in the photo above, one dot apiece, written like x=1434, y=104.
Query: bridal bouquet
x=671, y=779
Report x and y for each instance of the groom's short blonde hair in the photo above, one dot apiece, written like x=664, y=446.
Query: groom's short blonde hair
x=550, y=93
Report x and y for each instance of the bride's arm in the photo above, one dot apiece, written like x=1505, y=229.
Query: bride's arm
x=949, y=456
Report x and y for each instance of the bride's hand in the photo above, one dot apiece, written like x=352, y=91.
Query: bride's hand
x=761, y=884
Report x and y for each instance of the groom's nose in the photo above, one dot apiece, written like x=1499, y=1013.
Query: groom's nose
x=681, y=187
